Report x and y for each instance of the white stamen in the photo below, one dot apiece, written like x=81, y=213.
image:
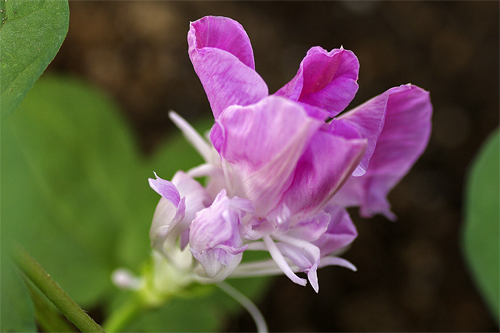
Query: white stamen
x=259, y=320
x=281, y=262
x=327, y=261
x=194, y=138
x=203, y=170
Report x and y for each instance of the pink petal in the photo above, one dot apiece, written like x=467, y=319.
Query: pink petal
x=222, y=33
x=169, y=213
x=340, y=233
x=196, y=198
x=310, y=228
x=367, y=120
x=215, y=239
x=325, y=79
x=324, y=167
x=166, y=189
x=403, y=139
x=262, y=143
x=222, y=56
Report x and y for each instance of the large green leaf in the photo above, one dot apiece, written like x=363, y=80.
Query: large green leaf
x=481, y=231
x=66, y=178
x=31, y=33
x=17, y=314
x=17, y=310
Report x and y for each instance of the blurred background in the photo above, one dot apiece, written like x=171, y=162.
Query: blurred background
x=411, y=274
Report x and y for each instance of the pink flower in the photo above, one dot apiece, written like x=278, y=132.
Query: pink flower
x=396, y=123
x=283, y=167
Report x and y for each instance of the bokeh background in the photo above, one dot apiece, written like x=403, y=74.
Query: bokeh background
x=411, y=274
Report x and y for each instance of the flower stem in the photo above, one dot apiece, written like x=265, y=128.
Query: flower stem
x=126, y=313
x=54, y=292
x=259, y=320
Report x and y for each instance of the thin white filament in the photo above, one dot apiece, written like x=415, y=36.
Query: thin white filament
x=194, y=138
x=259, y=320
x=281, y=261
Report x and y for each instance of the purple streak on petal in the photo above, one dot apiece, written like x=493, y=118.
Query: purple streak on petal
x=403, y=139
x=367, y=120
x=262, y=143
x=325, y=79
x=340, y=233
x=166, y=189
x=222, y=57
x=326, y=164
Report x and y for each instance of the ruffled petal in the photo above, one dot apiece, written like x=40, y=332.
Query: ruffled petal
x=261, y=145
x=222, y=33
x=196, y=198
x=222, y=56
x=215, y=239
x=403, y=139
x=325, y=79
x=166, y=189
x=365, y=121
x=340, y=233
x=323, y=168
x=310, y=228
x=169, y=212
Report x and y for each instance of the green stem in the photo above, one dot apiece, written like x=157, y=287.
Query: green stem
x=126, y=313
x=54, y=292
x=47, y=316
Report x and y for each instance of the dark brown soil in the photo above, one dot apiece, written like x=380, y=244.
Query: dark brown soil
x=411, y=274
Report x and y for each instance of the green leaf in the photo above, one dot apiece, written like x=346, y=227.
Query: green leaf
x=481, y=230
x=31, y=33
x=75, y=190
x=16, y=308
x=67, y=172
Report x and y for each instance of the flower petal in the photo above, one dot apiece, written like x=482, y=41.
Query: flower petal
x=340, y=233
x=222, y=56
x=310, y=228
x=261, y=144
x=403, y=139
x=215, y=239
x=303, y=254
x=222, y=33
x=367, y=121
x=166, y=189
x=169, y=212
x=323, y=168
x=324, y=79
x=196, y=198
